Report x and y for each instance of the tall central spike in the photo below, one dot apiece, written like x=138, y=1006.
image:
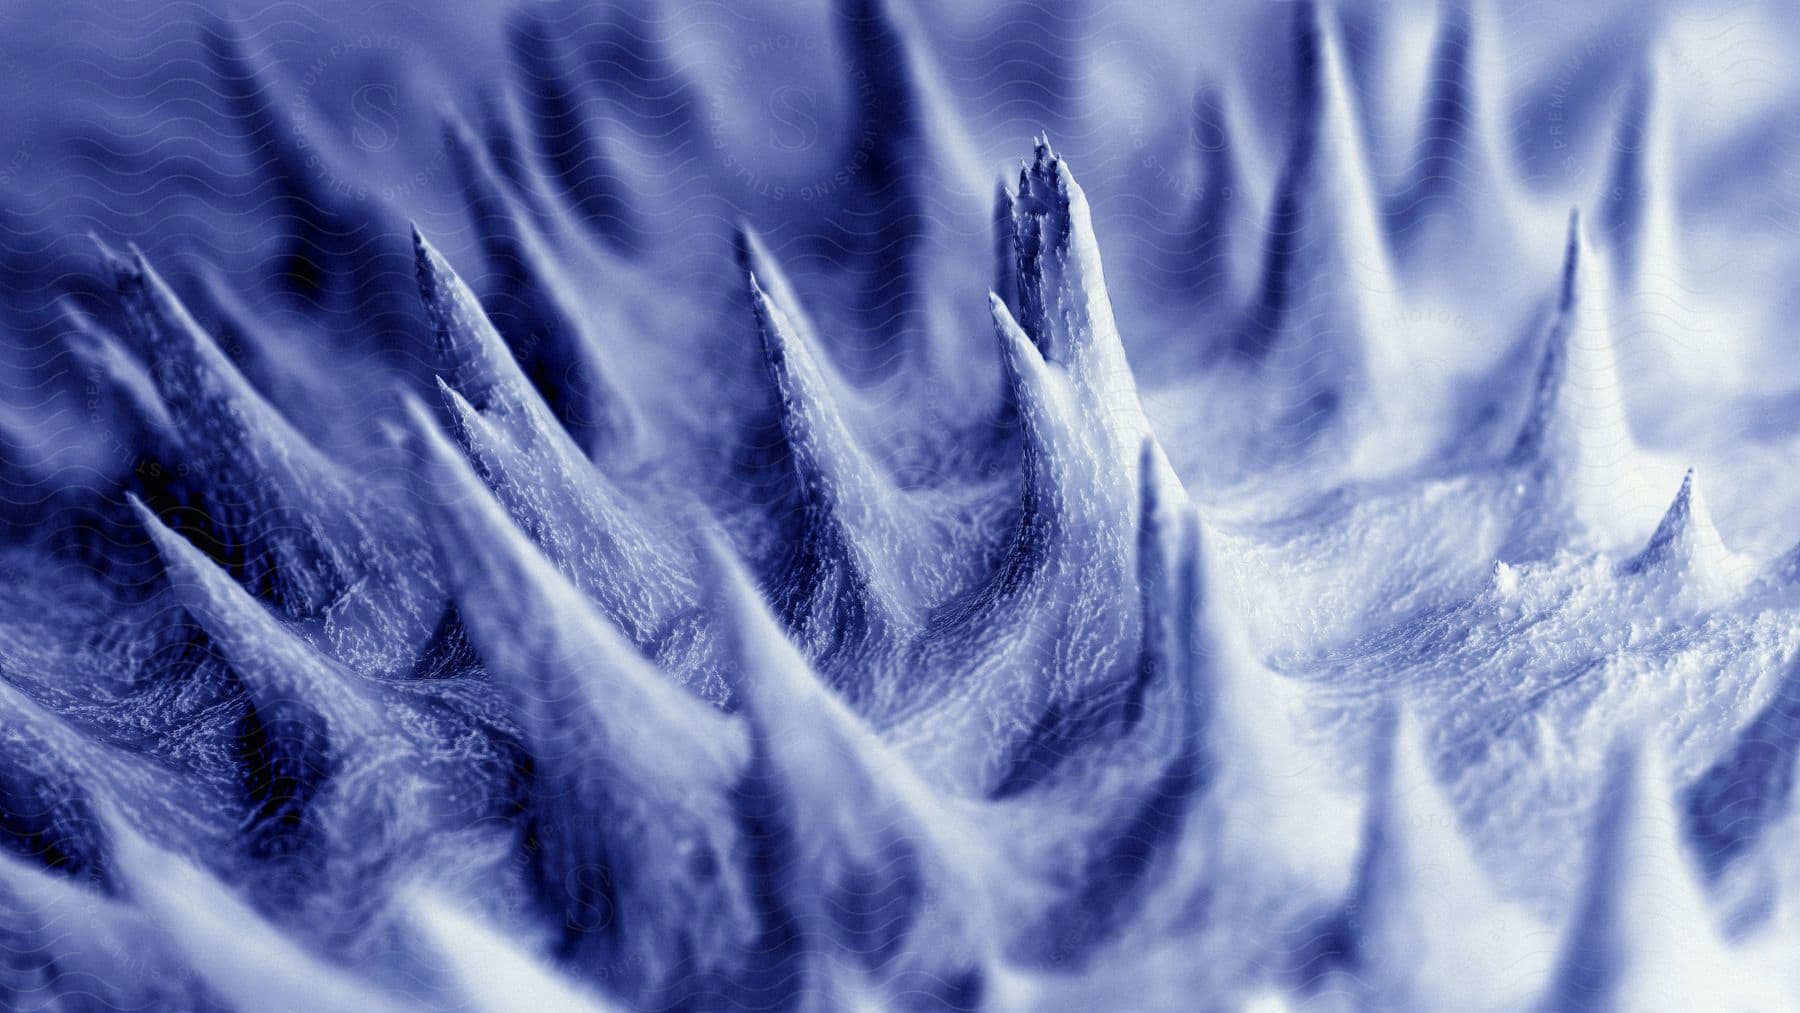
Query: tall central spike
x=1575, y=447
x=1063, y=303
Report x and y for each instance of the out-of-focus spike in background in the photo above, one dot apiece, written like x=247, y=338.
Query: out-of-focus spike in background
x=899, y=504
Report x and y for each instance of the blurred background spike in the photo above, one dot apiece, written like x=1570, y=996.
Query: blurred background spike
x=1642, y=932
x=37, y=908
x=1730, y=809
x=1419, y=894
x=568, y=136
x=338, y=235
x=887, y=216
x=500, y=120
x=1637, y=211
x=1314, y=325
x=1461, y=188
x=242, y=958
x=47, y=812
x=490, y=972
x=1215, y=222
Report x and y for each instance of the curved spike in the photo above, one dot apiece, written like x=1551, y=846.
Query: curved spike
x=867, y=845
x=534, y=629
x=242, y=958
x=1642, y=933
x=844, y=491
x=615, y=741
x=565, y=133
x=528, y=303
x=279, y=509
x=276, y=666
x=1325, y=276
x=491, y=974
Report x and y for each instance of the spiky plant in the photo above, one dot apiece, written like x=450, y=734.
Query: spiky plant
x=623, y=620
